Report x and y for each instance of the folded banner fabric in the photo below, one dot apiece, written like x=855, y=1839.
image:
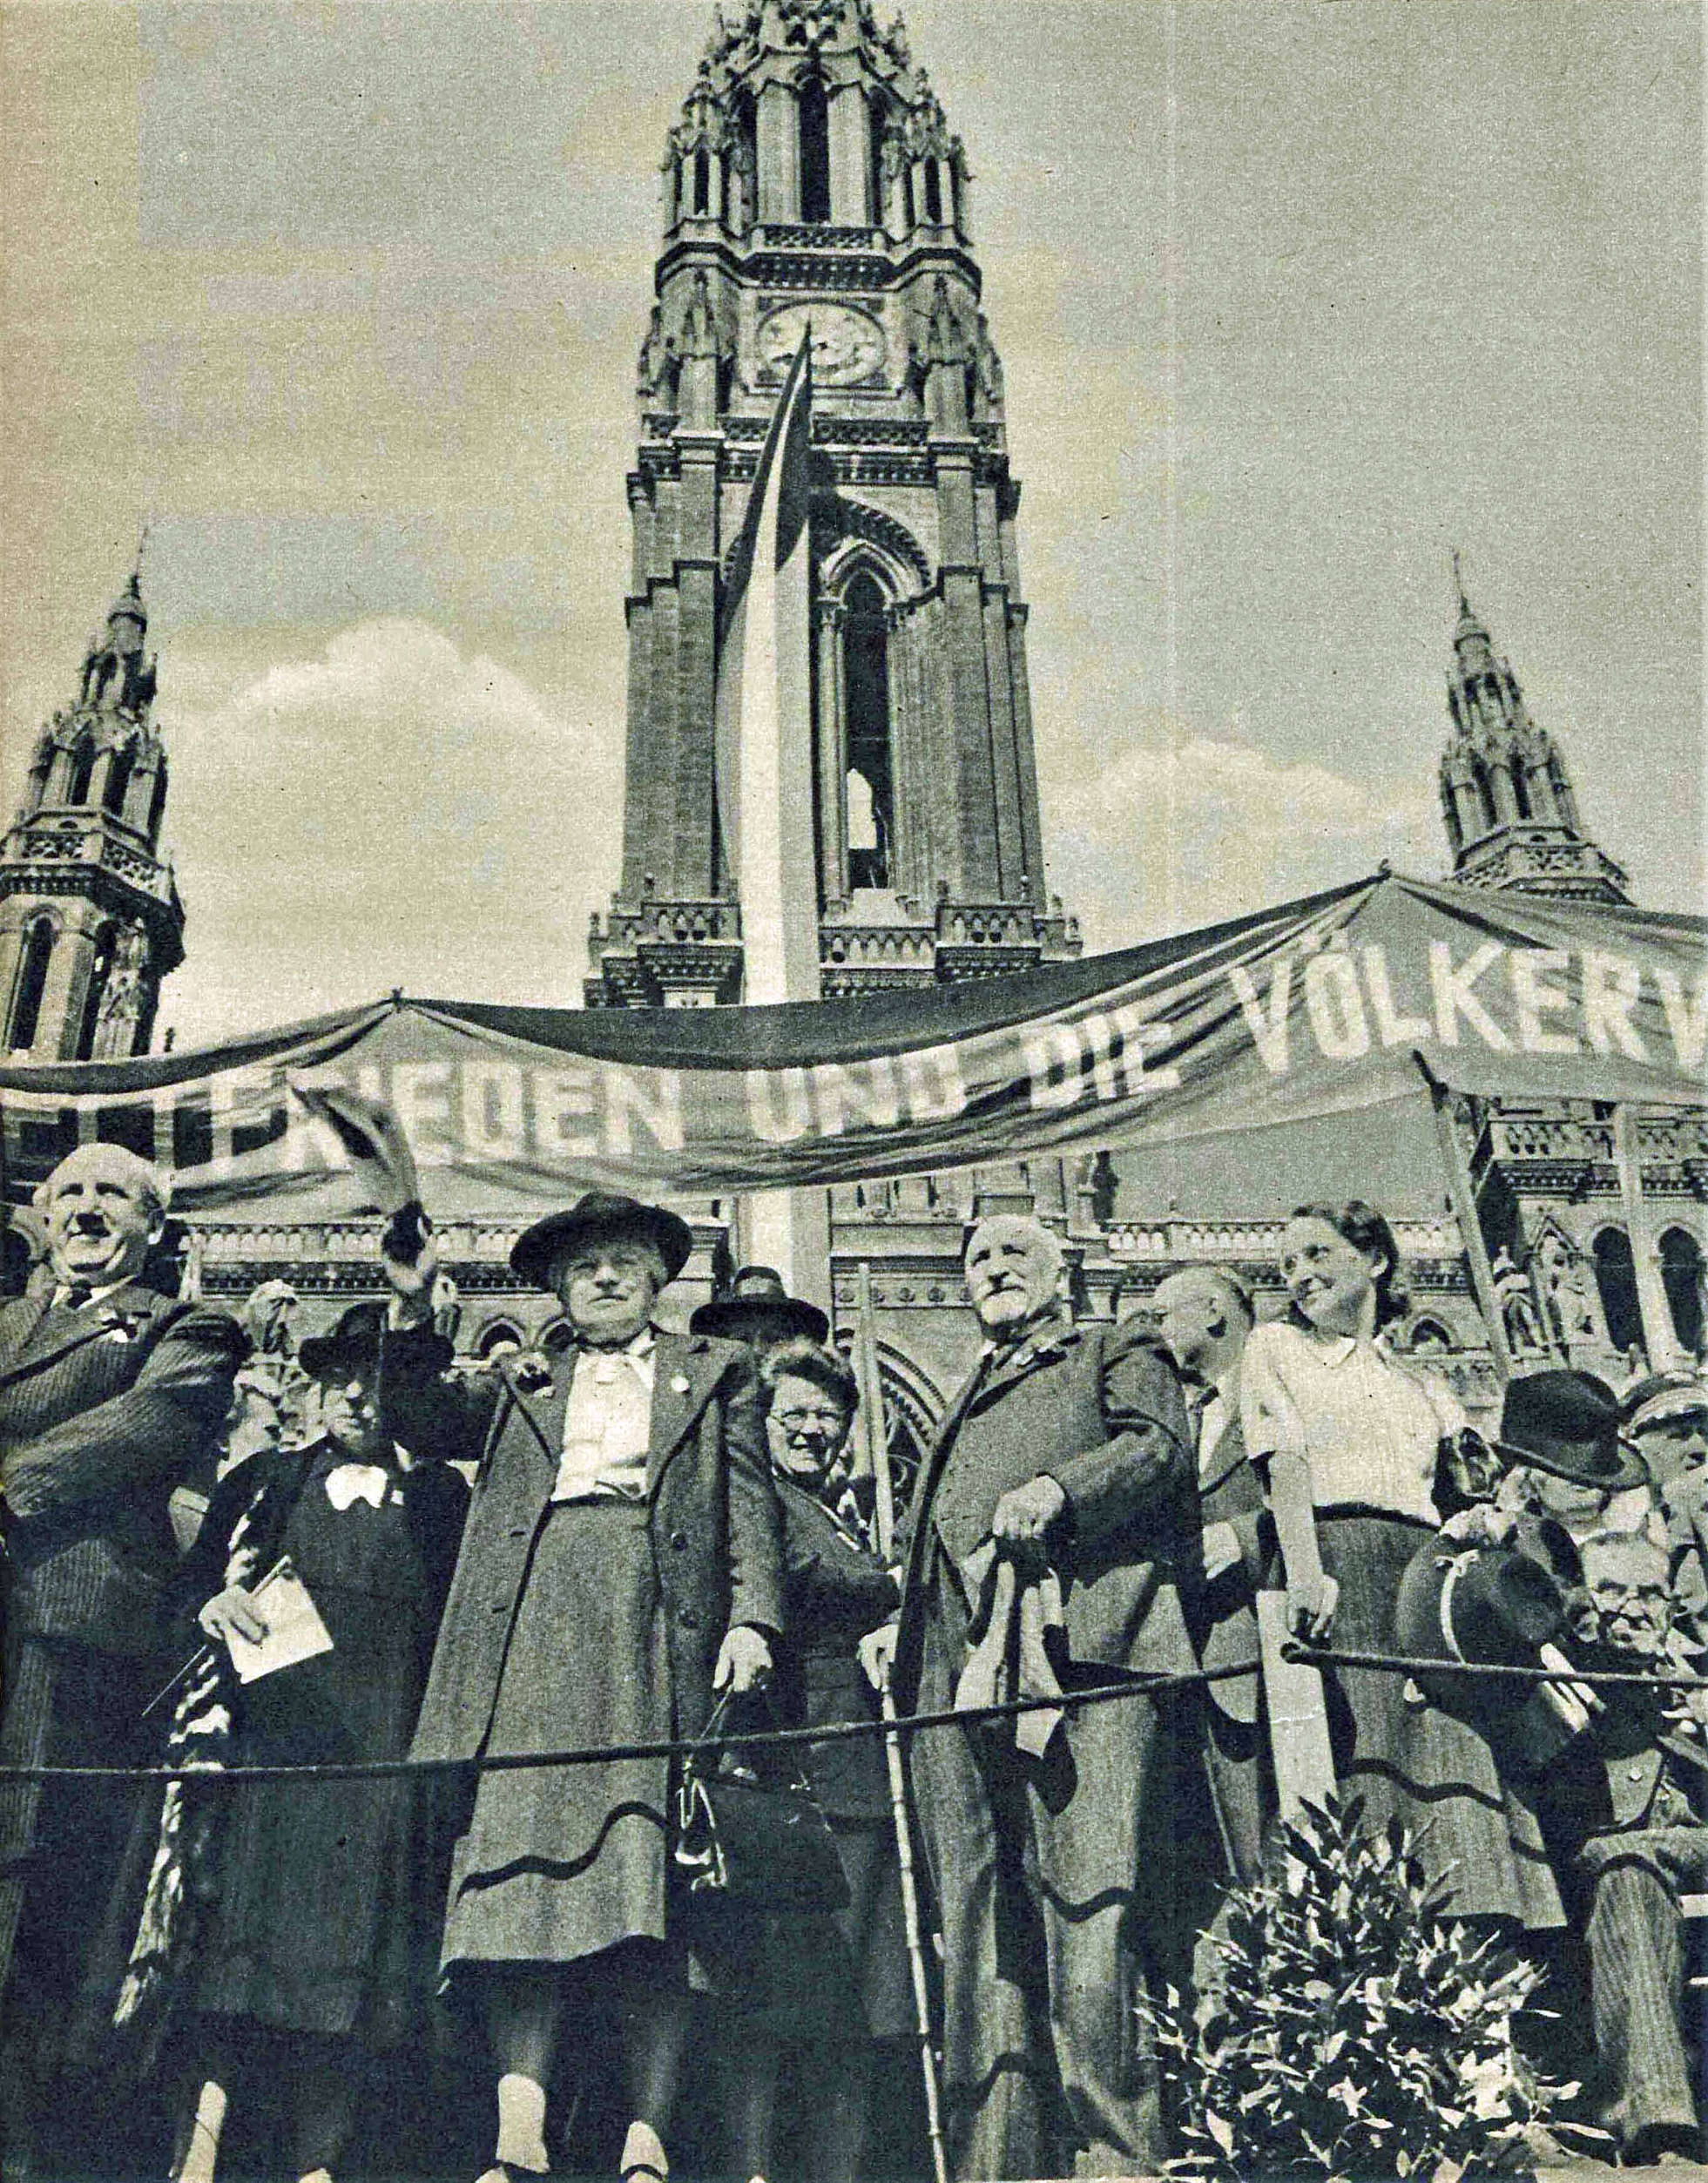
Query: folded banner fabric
x=1313, y=1009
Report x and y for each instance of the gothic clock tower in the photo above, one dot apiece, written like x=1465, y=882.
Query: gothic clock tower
x=812, y=183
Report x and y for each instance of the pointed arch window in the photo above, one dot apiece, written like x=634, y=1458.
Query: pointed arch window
x=157, y=804
x=83, y=769
x=871, y=785
x=118, y=782
x=813, y=106
x=934, y=194
x=1681, y=1277
x=100, y=968
x=26, y=1011
x=702, y=184
x=1615, y=1282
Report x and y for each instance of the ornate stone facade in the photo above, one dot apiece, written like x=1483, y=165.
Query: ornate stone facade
x=90, y=918
x=813, y=181
x=1506, y=802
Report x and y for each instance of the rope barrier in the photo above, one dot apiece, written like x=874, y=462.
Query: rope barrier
x=1408, y=1664
x=1136, y=1686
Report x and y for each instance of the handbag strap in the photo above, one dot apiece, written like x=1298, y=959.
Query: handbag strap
x=696, y=1762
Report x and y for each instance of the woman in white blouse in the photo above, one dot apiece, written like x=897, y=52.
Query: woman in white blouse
x=1351, y=1441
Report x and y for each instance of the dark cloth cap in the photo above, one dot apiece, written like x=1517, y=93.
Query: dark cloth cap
x=350, y=1350
x=1567, y=1422
x=601, y=1216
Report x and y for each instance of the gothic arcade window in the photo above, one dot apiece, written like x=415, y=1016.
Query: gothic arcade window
x=156, y=804
x=702, y=184
x=933, y=195
x=871, y=787
x=1519, y=787
x=1681, y=1277
x=31, y=985
x=118, y=780
x=814, y=110
x=83, y=765
x=100, y=969
x=1616, y=1281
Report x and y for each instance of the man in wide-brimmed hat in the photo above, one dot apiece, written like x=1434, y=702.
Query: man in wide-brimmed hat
x=757, y=1308
x=1564, y=1440
x=621, y=1563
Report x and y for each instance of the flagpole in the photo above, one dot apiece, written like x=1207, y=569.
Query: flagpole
x=1460, y=1196
x=877, y=1450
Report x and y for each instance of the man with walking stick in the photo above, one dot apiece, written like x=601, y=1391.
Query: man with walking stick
x=1053, y=1518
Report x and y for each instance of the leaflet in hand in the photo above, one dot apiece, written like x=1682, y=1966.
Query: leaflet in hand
x=295, y=1630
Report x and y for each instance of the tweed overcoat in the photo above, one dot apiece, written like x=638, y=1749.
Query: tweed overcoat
x=711, y=1514
x=1099, y=1408
x=102, y=1410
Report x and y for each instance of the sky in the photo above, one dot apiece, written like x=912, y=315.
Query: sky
x=344, y=302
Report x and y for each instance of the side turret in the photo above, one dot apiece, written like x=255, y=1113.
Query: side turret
x=90, y=918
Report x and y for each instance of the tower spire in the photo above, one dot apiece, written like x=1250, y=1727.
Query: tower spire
x=812, y=181
x=1507, y=801
x=90, y=918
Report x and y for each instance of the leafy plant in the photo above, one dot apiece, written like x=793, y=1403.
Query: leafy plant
x=1356, y=2031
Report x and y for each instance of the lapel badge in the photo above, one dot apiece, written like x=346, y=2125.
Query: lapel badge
x=680, y=1383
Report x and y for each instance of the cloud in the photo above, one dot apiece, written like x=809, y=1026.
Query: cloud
x=393, y=812
x=1166, y=838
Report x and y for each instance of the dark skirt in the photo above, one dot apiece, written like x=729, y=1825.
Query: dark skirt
x=829, y=1979
x=1412, y=1762
x=563, y=1862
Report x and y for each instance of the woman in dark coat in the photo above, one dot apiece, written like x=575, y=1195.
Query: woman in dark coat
x=621, y=1560
x=822, y=1991
x=318, y=1943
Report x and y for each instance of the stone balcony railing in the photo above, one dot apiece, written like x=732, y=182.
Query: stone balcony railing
x=1187, y=1241
x=675, y=922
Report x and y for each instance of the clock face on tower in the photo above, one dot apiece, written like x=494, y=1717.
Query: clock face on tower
x=847, y=345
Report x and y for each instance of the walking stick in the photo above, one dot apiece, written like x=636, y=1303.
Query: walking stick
x=910, y=1918
x=877, y=1452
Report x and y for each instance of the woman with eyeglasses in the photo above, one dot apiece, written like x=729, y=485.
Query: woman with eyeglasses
x=1358, y=1448
x=828, y=1989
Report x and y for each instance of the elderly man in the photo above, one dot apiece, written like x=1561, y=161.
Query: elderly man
x=1204, y=1315
x=1627, y=1812
x=1067, y=1457
x=109, y=1393
x=1667, y=1416
x=622, y=1562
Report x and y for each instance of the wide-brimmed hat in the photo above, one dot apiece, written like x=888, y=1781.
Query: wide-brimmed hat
x=349, y=1349
x=1491, y=1607
x=756, y=1307
x=601, y=1217
x=1567, y=1423
x=1663, y=1394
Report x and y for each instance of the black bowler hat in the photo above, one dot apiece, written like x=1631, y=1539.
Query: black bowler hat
x=601, y=1217
x=350, y=1350
x=758, y=1309
x=1567, y=1423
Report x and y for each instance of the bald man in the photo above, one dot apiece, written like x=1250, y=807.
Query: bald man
x=1067, y=1455
x=1204, y=1315
x=109, y=1393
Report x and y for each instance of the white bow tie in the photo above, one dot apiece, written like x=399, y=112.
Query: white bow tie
x=352, y=1482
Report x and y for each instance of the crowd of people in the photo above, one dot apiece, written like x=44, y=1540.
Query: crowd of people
x=465, y=1610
